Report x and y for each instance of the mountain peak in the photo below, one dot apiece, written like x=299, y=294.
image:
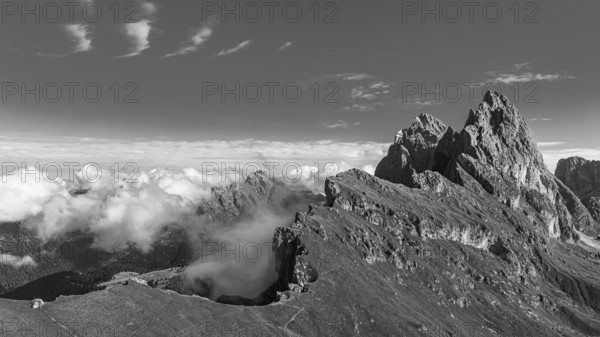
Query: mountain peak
x=496, y=153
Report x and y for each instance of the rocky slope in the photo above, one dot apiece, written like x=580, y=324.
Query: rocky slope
x=257, y=191
x=463, y=247
x=378, y=259
x=583, y=178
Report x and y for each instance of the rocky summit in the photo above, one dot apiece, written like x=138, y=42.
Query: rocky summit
x=457, y=234
x=494, y=153
x=583, y=178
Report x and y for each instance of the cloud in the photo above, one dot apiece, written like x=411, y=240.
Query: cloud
x=379, y=85
x=358, y=108
x=362, y=97
x=16, y=261
x=339, y=124
x=79, y=33
x=116, y=212
x=353, y=76
x=155, y=153
x=529, y=77
x=248, y=276
x=540, y=119
x=544, y=144
x=51, y=55
x=112, y=210
x=361, y=92
x=199, y=37
x=524, y=65
x=240, y=46
x=284, y=46
x=148, y=8
x=138, y=33
x=516, y=74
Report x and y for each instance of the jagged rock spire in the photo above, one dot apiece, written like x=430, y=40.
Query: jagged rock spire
x=496, y=152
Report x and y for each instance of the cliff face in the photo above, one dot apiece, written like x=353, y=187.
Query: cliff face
x=580, y=175
x=495, y=152
x=583, y=178
x=258, y=191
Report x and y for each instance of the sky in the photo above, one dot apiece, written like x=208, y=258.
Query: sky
x=167, y=83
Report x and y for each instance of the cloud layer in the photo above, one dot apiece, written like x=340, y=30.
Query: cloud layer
x=112, y=210
x=149, y=154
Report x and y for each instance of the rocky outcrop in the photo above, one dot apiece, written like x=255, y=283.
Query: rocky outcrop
x=258, y=191
x=414, y=150
x=583, y=178
x=580, y=175
x=232, y=200
x=495, y=152
x=294, y=270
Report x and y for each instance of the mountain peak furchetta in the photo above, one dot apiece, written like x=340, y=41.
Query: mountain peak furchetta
x=495, y=152
x=582, y=176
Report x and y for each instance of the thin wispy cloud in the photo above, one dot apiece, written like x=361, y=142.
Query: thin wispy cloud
x=148, y=8
x=360, y=107
x=516, y=74
x=80, y=34
x=524, y=65
x=353, y=76
x=339, y=124
x=138, y=33
x=239, y=47
x=361, y=92
x=379, y=85
x=530, y=77
x=41, y=54
x=198, y=38
x=540, y=119
x=284, y=46
x=367, y=97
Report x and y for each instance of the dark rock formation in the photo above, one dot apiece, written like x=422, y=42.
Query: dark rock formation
x=583, y=178
x=580, y=175
x=496, y=153
x=257, y=191
x=593, y=206
x=415, y=150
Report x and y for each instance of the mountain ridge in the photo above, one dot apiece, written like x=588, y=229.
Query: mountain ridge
x=465, y=244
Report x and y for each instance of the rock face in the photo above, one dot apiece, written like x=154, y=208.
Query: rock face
x=257, y=191
x=583, y=178
x=580, y=175
x=414, y=151
x=495, y=152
